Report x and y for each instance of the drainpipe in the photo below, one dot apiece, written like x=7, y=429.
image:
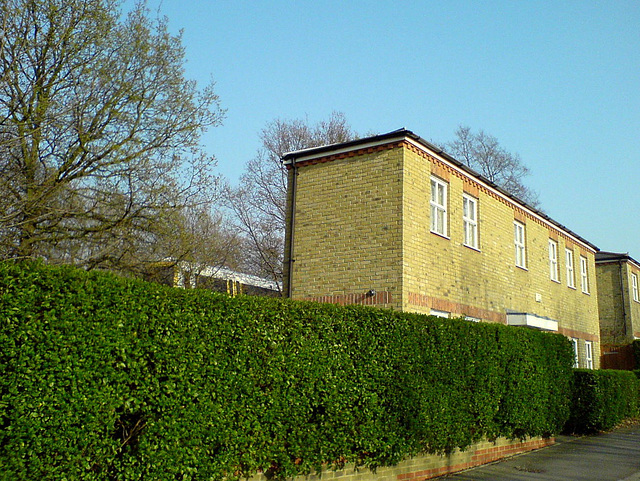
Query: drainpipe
x=292, y=224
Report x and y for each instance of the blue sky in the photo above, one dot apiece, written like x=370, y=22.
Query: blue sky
x=556, y=82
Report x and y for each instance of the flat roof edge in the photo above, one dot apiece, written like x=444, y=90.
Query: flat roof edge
x=605, y=257
x=312, y=152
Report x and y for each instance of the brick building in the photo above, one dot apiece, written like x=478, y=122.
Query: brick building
x=618, y=278
x=395, y=222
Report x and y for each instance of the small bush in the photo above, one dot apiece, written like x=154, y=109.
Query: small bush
x=601, y=399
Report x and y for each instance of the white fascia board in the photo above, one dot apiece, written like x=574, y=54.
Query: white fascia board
x=531, y=320
x=500, y=194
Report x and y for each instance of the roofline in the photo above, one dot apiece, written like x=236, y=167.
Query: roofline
x=616, y=257
x=312, y=152
x=221, y=272
x=290, y=158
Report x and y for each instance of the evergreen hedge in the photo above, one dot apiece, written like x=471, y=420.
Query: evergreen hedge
x=110, y=378
x=601, y=399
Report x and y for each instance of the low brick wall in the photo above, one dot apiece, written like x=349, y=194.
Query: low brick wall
x=430, y=465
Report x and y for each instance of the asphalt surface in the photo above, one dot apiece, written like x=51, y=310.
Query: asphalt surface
x=611, y=456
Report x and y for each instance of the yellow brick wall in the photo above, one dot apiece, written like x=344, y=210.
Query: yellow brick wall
x=634, y=306
x=363, y=222
x=619, y=312
x=610, y=304
x=348, y=229
x=443, y=273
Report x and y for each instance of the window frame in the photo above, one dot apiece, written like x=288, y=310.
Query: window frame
x=439, y=211
x=520, y=243
x=634, y=287
x=576, y=355
x=554, y=273
x=571, y=275
x=588, y=354
x=440, y=313
x=470, y=224
x=584, y=274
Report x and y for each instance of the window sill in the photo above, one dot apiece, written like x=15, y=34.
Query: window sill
x=557, y=281
x=440, y=235
x=471, y=247
x=523, y=268
x=573, y=287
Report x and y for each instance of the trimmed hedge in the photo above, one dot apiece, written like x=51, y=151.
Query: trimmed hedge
x=601, y=399
x=110, y=378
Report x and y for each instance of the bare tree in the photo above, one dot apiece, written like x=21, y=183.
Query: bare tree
x=483, y=153
x=258, y=203
x=203, y=238
x=99, y=132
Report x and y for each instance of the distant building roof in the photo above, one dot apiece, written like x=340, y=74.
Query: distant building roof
x=247, y=279
x=225, y=273
x=603, y=257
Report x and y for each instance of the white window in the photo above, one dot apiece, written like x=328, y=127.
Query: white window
x=521, y=253
x=439, y=313
x=588, y=353
x=576, y=361
x=571, y=280
x=553, y=260
x=634, y=287
x=584, y=276
x=470, y=220
x=438, y=206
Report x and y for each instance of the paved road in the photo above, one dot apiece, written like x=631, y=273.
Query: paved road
x=612, y=456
